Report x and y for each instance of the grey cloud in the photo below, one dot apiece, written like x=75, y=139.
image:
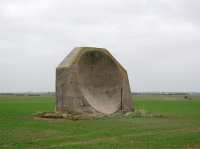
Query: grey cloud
x=157, y=41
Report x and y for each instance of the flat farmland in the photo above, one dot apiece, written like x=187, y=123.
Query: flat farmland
x=178, y=127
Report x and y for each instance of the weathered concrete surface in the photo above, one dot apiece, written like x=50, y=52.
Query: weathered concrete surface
x=90, y=80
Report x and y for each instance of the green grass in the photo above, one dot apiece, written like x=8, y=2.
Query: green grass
x=178, y=129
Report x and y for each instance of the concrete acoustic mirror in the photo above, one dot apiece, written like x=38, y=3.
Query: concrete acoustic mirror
x=91, y=80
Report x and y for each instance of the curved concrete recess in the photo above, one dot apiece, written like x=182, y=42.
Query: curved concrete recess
x=100, y=81
x=91, y=80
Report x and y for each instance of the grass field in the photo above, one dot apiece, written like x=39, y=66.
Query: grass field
x=179, y=128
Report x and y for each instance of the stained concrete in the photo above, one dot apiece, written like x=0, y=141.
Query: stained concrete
x=91, y=80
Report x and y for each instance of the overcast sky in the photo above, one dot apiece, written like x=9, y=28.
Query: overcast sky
x=157, y=41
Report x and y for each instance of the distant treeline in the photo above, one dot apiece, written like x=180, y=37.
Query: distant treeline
x=134, y=93
x=165, y=93
x=29, y=94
